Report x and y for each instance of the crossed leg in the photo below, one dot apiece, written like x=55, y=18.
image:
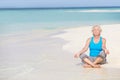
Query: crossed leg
x=89, y=64
x=98, y=60
x=95, y=64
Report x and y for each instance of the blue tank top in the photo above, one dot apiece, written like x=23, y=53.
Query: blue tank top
x=95, y=48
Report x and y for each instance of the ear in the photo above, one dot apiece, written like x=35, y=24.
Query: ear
x=92, y=31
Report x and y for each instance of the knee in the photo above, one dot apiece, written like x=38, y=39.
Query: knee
x=82, y=56
x=102, y=54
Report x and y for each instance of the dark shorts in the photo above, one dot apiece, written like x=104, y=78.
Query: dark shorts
x=92, y=59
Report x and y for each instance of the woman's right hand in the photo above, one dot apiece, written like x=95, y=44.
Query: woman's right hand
x=76, y=55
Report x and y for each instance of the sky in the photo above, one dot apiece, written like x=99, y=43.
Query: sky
x=56, y=3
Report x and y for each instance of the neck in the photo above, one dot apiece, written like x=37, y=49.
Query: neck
x=97, y=37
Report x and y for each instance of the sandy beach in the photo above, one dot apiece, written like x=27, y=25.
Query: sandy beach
x=48, y=55
x=76, y=38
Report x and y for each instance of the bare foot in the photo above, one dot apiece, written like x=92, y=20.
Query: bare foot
x=96, y=66
x=87, y=66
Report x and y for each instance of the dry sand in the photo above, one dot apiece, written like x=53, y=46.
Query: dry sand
x=76, y=38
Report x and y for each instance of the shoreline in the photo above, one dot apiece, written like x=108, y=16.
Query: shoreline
x=45, y=55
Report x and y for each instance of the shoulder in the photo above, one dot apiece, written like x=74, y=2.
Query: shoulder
x=89, y=39
x=103, y=40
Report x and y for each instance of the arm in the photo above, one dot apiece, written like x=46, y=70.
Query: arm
x=85, y=48
x=104, y=46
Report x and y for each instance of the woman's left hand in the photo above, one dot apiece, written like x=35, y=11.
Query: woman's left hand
x=107, y=51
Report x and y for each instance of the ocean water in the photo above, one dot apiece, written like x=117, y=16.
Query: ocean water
x=20, y=20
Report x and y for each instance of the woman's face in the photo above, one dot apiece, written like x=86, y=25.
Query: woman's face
x=96, y=31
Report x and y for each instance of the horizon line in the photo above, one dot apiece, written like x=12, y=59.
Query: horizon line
x=60, y=7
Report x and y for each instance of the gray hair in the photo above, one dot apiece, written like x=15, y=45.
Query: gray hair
x=98, y=26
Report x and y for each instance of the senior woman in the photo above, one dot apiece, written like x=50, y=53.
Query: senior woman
x=97, y=47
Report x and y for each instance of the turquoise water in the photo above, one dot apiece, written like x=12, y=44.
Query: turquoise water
x=31, y=19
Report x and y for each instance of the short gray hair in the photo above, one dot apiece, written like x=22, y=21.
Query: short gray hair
x=98, y=26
